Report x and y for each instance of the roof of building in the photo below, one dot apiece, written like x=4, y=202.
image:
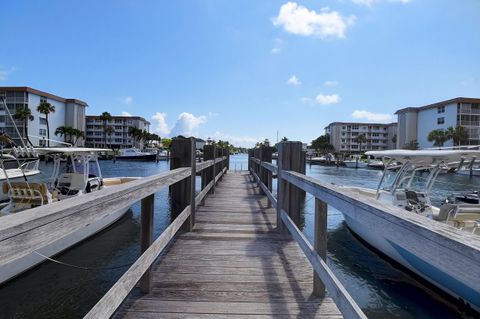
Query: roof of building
x=437, y=104
x=360, y=123
x=124, y=117
x=41, y=93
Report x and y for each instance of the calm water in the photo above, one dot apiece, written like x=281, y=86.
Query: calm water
x=379, y=287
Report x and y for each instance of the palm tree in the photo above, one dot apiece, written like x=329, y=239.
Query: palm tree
x=284, y=139
x=65, y=131
x=360, y=139
x=77, y=134
x=105, y=117
x=109, y=131
x=438, y=136
x=459, y=135
x=25, y=114
x=46, y=108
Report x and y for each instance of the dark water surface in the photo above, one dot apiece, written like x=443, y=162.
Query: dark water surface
x=381, y=288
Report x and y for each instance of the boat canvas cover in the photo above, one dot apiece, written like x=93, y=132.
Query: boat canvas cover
x=428, y=157
x=70, y=150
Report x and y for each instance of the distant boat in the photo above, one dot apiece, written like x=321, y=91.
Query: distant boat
x=355, y=162
x=377, y=164
x=466, y=171
x=135, y=154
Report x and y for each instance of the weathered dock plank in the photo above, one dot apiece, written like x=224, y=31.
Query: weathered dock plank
x=234, y=264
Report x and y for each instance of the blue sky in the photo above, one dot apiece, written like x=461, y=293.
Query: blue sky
x=241, y=70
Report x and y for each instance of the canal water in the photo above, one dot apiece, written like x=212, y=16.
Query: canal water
x=381, y=288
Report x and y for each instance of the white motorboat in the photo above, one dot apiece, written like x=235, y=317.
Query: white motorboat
x=445, y=248
x=135, y=154
x=355, y=162
x=17, y=169
x=474, y=171
x=376, y=164
x=76, y=172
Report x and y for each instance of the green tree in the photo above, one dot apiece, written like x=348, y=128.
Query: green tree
x=412, y=145
x=25, y=114
x=394, y=139
x=65, y=131
x=459, y=135
x=46, y=108
x=284, y=139
x=77, y=134
x=438, y=136
x=109, y=130
x=166, y=142
x=105, y=117
x=322, y=144
x=360, y=140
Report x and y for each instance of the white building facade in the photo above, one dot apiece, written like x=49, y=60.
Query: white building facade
x=120, y=138
x=343, y=136
x=68, y=112
x=415, y=123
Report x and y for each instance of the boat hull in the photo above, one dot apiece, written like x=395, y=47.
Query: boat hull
x=448, y=269
x=20, y=265
x=147, y=157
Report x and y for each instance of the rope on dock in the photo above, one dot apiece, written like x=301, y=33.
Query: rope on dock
x=81, y=267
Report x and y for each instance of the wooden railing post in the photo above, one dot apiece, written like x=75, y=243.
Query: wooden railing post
x=183, y=155
x=146, y=237
x=320, y=242
x=207, y=174
x=214, y=168
x=250, y=156
x=290, y=158
x=265, y=174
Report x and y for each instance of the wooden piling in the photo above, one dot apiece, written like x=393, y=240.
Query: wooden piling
x=265, y=174
x=291, y=158
x=208, y=173
x=146, y=236
x=182, y=155
x=320, y=242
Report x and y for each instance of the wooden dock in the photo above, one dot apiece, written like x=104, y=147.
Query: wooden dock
x=234, y=264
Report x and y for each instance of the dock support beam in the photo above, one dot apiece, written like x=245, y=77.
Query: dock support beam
x=290, y=158
x=146, y=237
x=320, y=243
x=183, y=155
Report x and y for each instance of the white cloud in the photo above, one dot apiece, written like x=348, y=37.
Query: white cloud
x=126, y=114
x=330, y=83
x=299, y=20
x=5, y=72
x=324, y=99
x=377, y=117
x=293, y=80
x=212, y=114
x=276, y=50
x=187, y=123
x=160, y=123
x=239, y=141
x=126, y=100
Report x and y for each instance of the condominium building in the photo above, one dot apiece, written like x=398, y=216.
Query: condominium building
x=415, y=123
x=120, y=138
x=68, y=112
x=378, y=136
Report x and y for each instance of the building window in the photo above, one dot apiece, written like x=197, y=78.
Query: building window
x=43, y=121
x=42, y=132
x=43, y=99
x=441, y=109
x=441, y=120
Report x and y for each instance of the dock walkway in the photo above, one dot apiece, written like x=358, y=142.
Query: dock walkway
x=234, y=264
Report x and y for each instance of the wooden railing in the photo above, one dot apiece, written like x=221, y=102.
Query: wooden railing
x=184, y=202
x=287, y=202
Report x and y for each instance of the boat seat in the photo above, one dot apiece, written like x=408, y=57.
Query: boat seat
x=28, y=193
x=71, y=181
x=444, y=212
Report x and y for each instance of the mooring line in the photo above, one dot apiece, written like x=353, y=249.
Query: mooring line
x=81, y=267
